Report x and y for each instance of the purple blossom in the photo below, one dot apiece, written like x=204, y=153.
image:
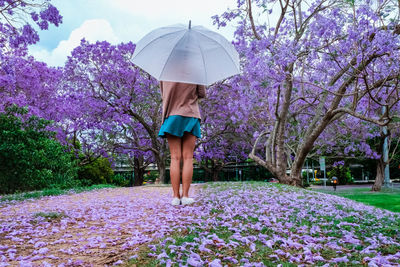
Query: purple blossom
x=162, y=255
x=341, y=259
x=338, y=163
x=194, y=262
x=215, y=263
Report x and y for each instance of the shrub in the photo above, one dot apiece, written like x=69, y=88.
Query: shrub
x=97, y=172
x=342, y=173
x=120, y=180
x=304, y=179
x=30, y=157
x=151, y=176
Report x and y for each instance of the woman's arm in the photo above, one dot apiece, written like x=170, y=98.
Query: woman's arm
x=161, y=88
x=201, y=91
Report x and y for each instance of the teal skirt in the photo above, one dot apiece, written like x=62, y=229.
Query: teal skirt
x=177, y=125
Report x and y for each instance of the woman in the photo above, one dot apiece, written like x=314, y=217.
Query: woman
x=181, y=126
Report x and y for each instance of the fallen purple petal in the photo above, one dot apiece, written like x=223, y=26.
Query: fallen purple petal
x=293, y=225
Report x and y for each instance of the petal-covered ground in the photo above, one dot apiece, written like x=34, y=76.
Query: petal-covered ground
x=93, y=228
x=231, y=224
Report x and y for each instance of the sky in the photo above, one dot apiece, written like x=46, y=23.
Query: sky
x=119, y=21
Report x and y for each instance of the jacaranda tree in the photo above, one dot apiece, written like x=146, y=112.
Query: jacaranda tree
x=318, y=61
x=226, y=138
x=18, y=21
x=24, y=81
x=119, y=104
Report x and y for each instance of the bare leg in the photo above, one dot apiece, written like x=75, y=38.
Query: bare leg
x=188, y=144
x=175, y=144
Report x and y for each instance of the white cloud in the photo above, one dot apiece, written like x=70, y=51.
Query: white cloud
x=92, y=30
x=150, y=14
x=128, y=20
x=178, y=9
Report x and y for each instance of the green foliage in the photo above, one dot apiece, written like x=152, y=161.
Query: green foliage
x=351, y=2
x=342, y=173
x=304, y=178
x=395, y=163
x=97, y=172
x=120, y=180
x=151, y=176
x=50, y=215
x=30, y=157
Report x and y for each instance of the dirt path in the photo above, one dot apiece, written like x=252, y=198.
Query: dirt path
x=93, y=228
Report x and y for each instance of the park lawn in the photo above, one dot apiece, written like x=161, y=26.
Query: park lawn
x=264, y=224
x=388, y=199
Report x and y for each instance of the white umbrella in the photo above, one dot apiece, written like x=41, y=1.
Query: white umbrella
x=186, y=54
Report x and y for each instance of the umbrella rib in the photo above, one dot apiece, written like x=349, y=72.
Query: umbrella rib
x=220, y=45
x=171, y=54
x=155, y=39
x=202, y=57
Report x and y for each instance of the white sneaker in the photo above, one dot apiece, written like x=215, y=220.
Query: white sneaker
x=187, y=200
x=175, y=201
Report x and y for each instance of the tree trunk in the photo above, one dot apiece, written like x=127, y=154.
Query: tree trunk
x=214, y=170
x=161, y=170
x=211, y=170
x=283, y=179
x=380, y=176
x=295, y=177
x=207, y=170
x=380, y=167
x=215, y=175
x=138, y=171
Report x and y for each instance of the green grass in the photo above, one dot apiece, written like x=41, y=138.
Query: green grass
x=261, y=253
x=51, y=192
x=49, y=215
x=388, y=199
x=146, y=256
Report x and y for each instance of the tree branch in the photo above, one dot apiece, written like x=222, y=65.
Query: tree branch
x=362, y=117
x=283, y=12
x=253, y=27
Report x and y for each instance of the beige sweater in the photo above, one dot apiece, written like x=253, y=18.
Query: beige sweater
x=181, y=99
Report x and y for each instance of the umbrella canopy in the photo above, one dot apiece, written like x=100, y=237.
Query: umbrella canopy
x=186, y=54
